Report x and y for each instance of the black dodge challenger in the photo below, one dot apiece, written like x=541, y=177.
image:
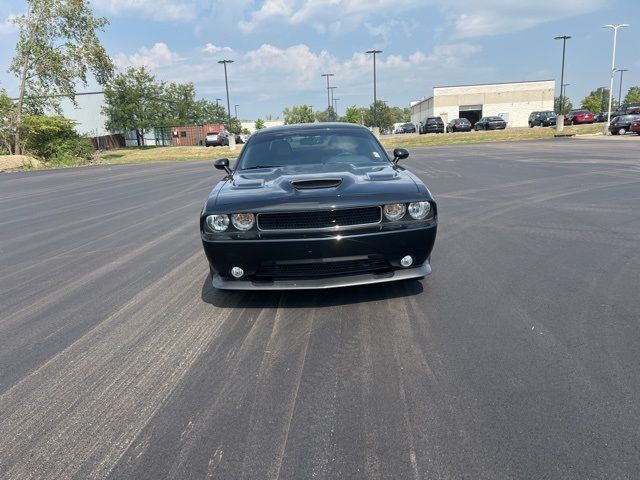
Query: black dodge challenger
x=317, y=206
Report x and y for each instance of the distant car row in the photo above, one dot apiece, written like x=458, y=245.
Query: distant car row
x=436, y=125
x=217, y=139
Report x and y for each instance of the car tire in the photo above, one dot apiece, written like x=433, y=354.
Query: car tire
x=530, y=124
x=622, y=131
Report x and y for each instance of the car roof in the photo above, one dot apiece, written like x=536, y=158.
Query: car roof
x=299, y=128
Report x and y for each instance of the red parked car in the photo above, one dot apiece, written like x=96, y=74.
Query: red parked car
x=635, y=127
x=576, y=117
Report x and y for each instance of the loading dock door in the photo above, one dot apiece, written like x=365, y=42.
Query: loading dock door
x=473, y=113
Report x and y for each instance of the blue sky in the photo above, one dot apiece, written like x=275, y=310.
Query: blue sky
x=281, y=47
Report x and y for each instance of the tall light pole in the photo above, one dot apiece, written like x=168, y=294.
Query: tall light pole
x=335, y=106
x=236, y=107
x=621, y=70
x=615, y=28
x=332, y=89
x=375, y=95
x=226, y=82
x=328, y=100
x=564, y=39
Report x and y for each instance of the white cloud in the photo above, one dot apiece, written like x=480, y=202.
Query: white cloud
x=161, y=10
x=335, y=16
x=212, y=49
x=157, y=56
x=7, y=26
x=496, y=17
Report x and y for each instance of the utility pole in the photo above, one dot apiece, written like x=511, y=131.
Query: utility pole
x=375, y=96
x=226, y=82
x=335, y=107
x=564, y=39
x=615, y=28
x=328, y=99
x=332, y=89
x=621, y=70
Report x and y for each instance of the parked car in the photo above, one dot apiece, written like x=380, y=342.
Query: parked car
x=242, y=138
x=408, y=128
x=600, y=117
x=635, y=127
x=542, y=119
x=216, y=139
x=301, y=215
x=626, y=109
x=490, y=123
x=431, y=125
x=575, y=117
x=459, y=125
x=622, y=124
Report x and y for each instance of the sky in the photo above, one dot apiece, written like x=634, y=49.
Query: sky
x=281, y=48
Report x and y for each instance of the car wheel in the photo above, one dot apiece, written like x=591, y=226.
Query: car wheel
x=530, y=124
x=622, y=131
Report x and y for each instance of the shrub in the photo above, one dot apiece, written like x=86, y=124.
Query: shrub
x=53, y=139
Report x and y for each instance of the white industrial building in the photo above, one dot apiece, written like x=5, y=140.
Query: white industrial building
x=512, y=101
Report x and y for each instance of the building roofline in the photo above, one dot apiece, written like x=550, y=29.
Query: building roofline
x=494, y=83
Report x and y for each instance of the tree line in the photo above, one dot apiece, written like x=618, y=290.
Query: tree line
x=378, y=114
x=598, y=101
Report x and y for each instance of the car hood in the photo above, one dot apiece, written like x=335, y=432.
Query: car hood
x=317, y=186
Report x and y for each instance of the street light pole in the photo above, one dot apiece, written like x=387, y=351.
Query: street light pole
x=328, y=100
x=564, y=39
x=375, y=95
x=226, y=82
x=621, y=70
x=335, y=106
x=332, y=89
x=615, y=28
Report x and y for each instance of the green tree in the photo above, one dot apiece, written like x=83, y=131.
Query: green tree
x=353, y=114
x=178, y=106
x=259, y=124
x=298, y=114
x=8, y=125
x=57, y=47
x=567, y=106
x=400, y=114
x=209, y=112
x=133, y=101
x=597, y=100
x=632, y=96
x=233, y=126
x=328, y=115
x=379, y=115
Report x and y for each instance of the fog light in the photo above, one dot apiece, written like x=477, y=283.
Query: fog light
x=406, y=261
x=237, y=272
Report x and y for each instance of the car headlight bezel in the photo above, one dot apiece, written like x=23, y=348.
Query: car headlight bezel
x=394, y=211
x=217, y=222
x=419, y=210
x=243, y=221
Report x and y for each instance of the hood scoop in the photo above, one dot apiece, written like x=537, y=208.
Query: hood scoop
x=316, y=183
x=380, y=175
x=243, y=182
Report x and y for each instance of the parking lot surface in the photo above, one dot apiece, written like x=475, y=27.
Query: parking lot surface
x=518, y=358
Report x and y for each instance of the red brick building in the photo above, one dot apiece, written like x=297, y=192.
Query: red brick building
x=189, y=135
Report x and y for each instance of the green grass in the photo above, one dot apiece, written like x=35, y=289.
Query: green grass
x=509, y=135
x=167, y=154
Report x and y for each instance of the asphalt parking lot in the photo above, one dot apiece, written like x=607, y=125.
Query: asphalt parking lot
x=518, y=358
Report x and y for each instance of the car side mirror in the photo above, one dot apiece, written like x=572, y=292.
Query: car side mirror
x=222, y=164
x=400, y=154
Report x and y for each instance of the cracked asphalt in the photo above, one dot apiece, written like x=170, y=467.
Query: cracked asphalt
x=518, y=358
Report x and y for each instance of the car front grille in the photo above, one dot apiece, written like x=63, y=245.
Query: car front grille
x=319, y=219
x=323, y=269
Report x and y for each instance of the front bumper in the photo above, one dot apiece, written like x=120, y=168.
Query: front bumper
x=322, y=283
x=252, y=254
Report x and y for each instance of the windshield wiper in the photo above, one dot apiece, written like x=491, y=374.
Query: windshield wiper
x=261, y=166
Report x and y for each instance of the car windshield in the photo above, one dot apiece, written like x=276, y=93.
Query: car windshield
x=312, y=147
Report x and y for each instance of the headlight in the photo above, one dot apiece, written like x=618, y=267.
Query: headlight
x=419, y=210
x=394, y=211
x=243, y=221
x=218, y=223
